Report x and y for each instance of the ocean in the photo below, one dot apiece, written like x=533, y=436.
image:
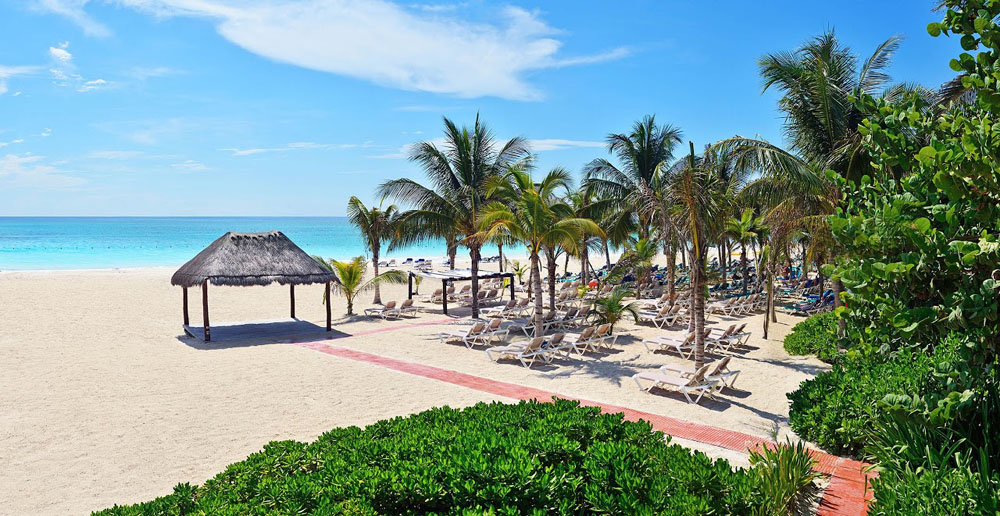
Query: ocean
x=110, y=242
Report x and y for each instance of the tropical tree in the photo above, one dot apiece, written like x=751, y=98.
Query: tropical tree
x=612, y=308
x=533, y=215
x=349, y=278
x=637, y=260
x=640, y=154
x=458, y=171
x=692, y=192
x=378, y=226
x=742, y=230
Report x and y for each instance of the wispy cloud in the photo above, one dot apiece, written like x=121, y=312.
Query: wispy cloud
x=118, y=155
x=551, y=144
x=30, y=171
x=7, y=72
x=291, y=147
x=429, y=48
x=45, y=133
x=190, y=165
x=12, y=142
x=142, y=73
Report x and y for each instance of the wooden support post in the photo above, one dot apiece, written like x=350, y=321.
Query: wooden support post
x=204, y=310
x=444, y=295
x=291, y=293
x=409, y=286
x=187, y=321
x=511, y=287
x=329, y=301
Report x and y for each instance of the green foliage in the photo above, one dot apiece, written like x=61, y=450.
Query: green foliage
x=350, y=278
x=529, y=458
x=837, y=408
x=816, y=335
x=786, y=477
x=612, y=308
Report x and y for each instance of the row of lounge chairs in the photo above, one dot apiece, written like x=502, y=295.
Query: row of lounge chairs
x=546, y=348
x=715, y=340
x=708, y=379
x=738, y=305
x=390, y=310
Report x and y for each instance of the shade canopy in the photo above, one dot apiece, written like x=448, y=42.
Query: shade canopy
x=248, y=259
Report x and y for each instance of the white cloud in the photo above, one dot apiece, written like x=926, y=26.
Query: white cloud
x=291, y=147
x=60, y=55
x=28, y=171
x=46, y=133
x=12, y=142
x=96, y=84
x=142, y=73
x=7, y=72
x=551, y=144
x=73, y=9
x=116, y=154
x=16, y=94
x=190, y=166
x=380, y=41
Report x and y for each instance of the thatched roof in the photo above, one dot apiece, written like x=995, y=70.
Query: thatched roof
x=245, y=259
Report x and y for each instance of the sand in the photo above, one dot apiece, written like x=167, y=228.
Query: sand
x=102, y=400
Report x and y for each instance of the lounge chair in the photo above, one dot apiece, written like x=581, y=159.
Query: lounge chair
x=528, y=325
x=683, y=347
x=469, y=336
x=499, y=311
x=720, y=372
x=696, y=383
x=384, y=312
x=493, y=331
x=526, y=351
x=406, y=308
x=584, y=340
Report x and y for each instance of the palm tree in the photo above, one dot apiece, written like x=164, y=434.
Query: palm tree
x=742, y=231
x=613, y=308
x=692, y=192
x=378, y=226
x=349, y=278
x=640, y=153
x=533, y=215
x=458, y=172
x=637, y=260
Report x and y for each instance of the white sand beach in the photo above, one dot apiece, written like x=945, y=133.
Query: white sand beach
x=102, y=400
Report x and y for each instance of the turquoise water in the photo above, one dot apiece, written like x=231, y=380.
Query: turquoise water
x=106, y=242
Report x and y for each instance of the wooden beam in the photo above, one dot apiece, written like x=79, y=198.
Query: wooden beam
x=291, y=293
x=409, y=286
x=204, y=310
x=187, y=321
x=511, y=287
x=329, y=301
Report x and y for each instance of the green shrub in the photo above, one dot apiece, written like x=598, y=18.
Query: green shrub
x=529, y=458
x=837, y=408
x=785, y=477
x=816, y=335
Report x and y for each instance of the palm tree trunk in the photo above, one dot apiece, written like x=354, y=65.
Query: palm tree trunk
x=452, y=252
x=474, y=254
x=536, y=285
x=500, y=252
x=550, y=258
x=672, y=270
x=684, y=251
x=378, y=291
x=566, y=265
x=698, y=307
x=743, y=262
x=722, y=261
x=584, y=263
x=607, y=253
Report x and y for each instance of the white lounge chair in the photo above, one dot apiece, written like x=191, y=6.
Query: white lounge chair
x=683, y=347
x=720, y=372
x=696, y=383
x=526, y=351
x=407, y=307
x=469, y=336
x=384, y=312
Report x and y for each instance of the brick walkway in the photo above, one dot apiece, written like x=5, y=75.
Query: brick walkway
x=847, y=493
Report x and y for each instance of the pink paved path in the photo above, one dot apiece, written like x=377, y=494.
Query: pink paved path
x=847, y=493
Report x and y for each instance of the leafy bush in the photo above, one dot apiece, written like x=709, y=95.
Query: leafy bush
x=786, y=477
x=837, y=408
x=529, y=458
x=816, y=335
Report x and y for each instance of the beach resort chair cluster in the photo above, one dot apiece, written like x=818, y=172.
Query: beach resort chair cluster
x=387, y=263
x=711, y=378
x=551, y=320
x=547, y=348
x=515, y=308
x=667, y=315
x=392, y=310
x=479, y=333
x=738, y=305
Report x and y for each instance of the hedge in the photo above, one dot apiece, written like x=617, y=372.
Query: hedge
x=816, y=335
x=528, y=458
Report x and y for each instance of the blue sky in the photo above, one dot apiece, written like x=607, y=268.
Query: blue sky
x=254, y=107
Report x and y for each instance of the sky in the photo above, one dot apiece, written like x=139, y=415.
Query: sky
x=288, y=108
